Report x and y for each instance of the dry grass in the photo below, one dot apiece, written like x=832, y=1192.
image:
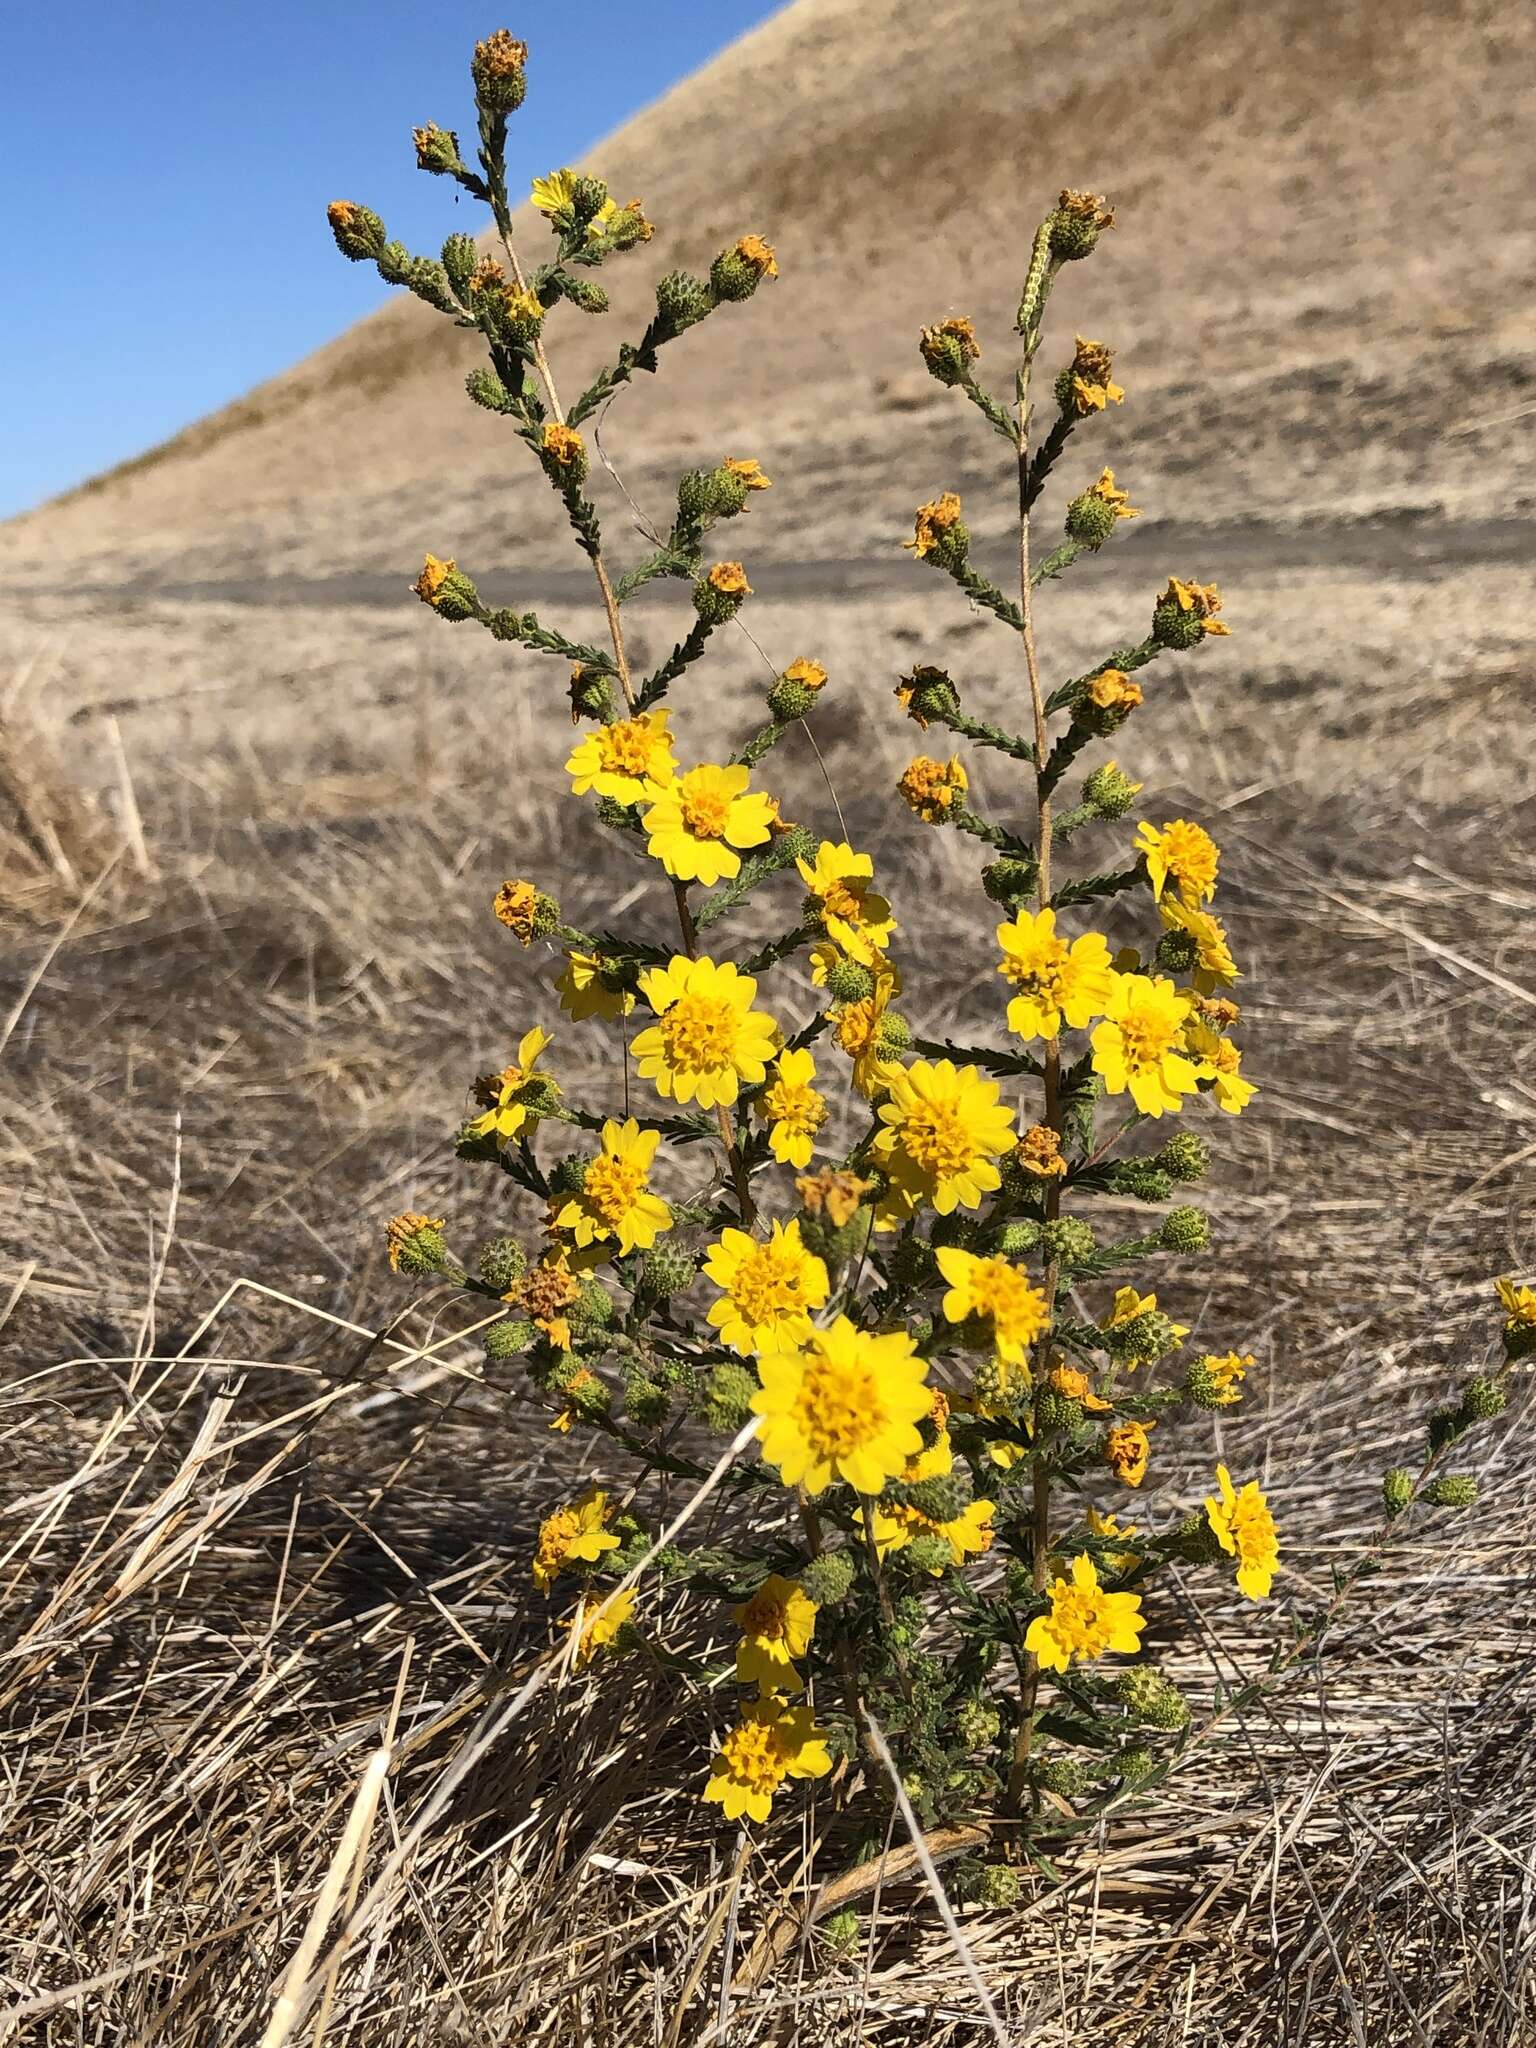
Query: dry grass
x=264, y=1548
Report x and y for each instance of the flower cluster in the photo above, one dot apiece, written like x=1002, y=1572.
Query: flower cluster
x=890, y=1269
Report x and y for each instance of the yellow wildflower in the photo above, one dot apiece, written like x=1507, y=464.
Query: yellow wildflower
x=1219, y=1061
x=1112, y=690
x=514, y=1099
x=554, y=192
x=769, y=1286
x=1180, y=853
x=1057, y=983
x=697, y=821
x=776, y=1625
x=1224, y=1375
x=1039, y=1153
x=1113, y=1530
x=1084, y=1621
x=1214, y=966
x=748, y=472
x=991, y=1288
x=836, y=1195
x=844, y=1405
x=933, y=520
x=931, y=788
x=943, y=1128
x=563, y=445
x=1139, y=1046
x=792, y=1108
x=614, y=1203
x=730, y=579
x=1518, y=1304
x=771, y=1742
x=707, y=1039
x=600, y=1622
x=584, y=992
x=517, y=906
x=1245, y=1529
x=1076, y=1386
x=574, y=1533
x=1128, y=1451
x=624, y=760
x=856, y=920
x=1203, y=599
x=754, y=250
x=968, y=1534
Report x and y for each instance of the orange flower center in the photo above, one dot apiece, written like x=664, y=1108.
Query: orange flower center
x=706, y=809
x=755, y=1757
x=792, y=1102
x=764, y=1617
x=769, y=1283
x=610, y=1186
x=1147, y=1032
x=839, y=1407
x=699, y=1032
x=626, y=748
x=934, y=1137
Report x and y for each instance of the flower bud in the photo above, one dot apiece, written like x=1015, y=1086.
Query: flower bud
x=718, y=595
x=1185, y=1229
x=590, y=693
x=725, y=1401
x=1482, y=1399
x=1068, y=1240
x=849, y=981
x=585, y=294
x=1184, y=1157
x=459, y=258
x=588, y=198
x=930, y=1554
x=667, y=1270
x=499, y=71
x=1076, y=223
x=1055, y=1410
x=1016, y=1240
x=1136, y=1764
x=1143, y=1177
x=1063, y=1775
x=997, y=1886
x=437, y=150
x=416, y=1244
x=1150, y=1698
x=502, y=1262
x=737, y=272
x=645, y=1402
x=1185, y=613
x=359, y=232
x=487, y=389
x=592, y=1310
x=1178, y=950
x=942, y=1499
x=509, y=1338
x=827, y=1579
x=893, y=1034
x=1109, y=792
x=449, y=592
x=1445, y=1426
x=977, y=1723
x=1397, y=1490
x=1010, y=881
x=1196, y=1541
x=1453, y=1490
x=928, y=694
x=681, y=300
x=949, y=350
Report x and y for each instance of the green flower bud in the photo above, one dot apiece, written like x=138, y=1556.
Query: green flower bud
x=941, y=1500
x=929, y=695
x=1397, y=1490
x=828, y=1579
x=725, y=1401
x=1056, y=1411
x=737, y=272
x=977, y=1723
x=508, y=1338
x=358, y=231
x=1482, y=1399
x=585, y=294
x=893, y=1034
x=849, y=981
x=417, y=1245
x=394, y=261
x=502, y=1263
x=1068, y=1240
x=1136, y=1765
x=588, y=198
x=592, y=1309
x=1108, y=792
x=1185, y=1156
x=1175, y=627
x=796, y=690
x=590, y=694
x=1091, y=519
x=1445, y=1426
x=974, y=1883
x=621, y=817
x=1016, y=1240
x=930, y=1554
x=459, y=259
x=487, y=389
x=1185, y=1229
x=1178, y=951
x=1150, y=1698
x=718, y=596
x=1196, y=1541
x=449, y=592
x=840, y=1936
x=1063, y=1775
x=1519, y=1339
x=1144, y=1178
x=1453, y=1490
x=1076, y=223
x=647, y=1403
x=437, y=150
x=499, y=71
x=1204, y=1388
x=568, y=1175
x=668, y=1269
x=681, y=300
x=1009, y=881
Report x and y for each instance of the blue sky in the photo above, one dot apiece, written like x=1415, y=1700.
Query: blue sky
x=168, y=164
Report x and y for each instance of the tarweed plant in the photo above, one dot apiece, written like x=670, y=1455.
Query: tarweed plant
x=948, y=1378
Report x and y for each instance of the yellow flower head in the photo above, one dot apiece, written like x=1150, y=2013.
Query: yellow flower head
x=931, y=788
x=584, y=991
x=707, y=1039
x=600, y=1623
x=856, y=920
x=1129, y=1307
x=857, y=1030
x=1214, y=966
x=810, y=675
x=844, y=1405
x=1084, y=1621
x=576, y=1533
x=1128, y=1451
x=580, y=1380
x=968, y=1534
x=1089, y=384
x=555, y=192
x=614, y=1204
x=1109, y=1527
x=754, y=250
x=1202, y=599
x=1057, y=983
x=776, y=1625
x=792, y=1108
x=1180, y=853
x=837, y=1196
x=1219, y=1061
x=1224, y=1376
x=517, y=906
x=933, y=520
x=991, y=1288
x=1076, y=1386
x=957, y=335
x=624, y=760
x=697, y=821
x=1518, y=1304
x=1039, y=1153
x=1113, y=690
x=515, y=1098
x=1245, y=1529
x=401, y=1232
x=730, y=579
x=432, y=578
x=771, y=1742
x=1139, y=1046
x=1106, y=492
x=748, y=472
x=544, y=1292
x=943, y=1128
x=769, y=1286
x=563, y=445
